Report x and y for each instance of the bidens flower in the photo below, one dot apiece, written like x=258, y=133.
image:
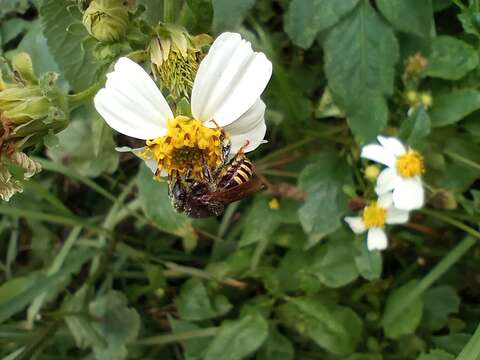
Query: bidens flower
x=402, y=175
x=225, y=106
x=373, y=220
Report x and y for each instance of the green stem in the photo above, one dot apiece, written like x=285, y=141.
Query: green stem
x=451, y=221
x=35, y=348
x=78, y=99
x=463, y=160
x=171, y=338
x=168, y=11
x=471, y=351
x=284, y=150
x=435, y=274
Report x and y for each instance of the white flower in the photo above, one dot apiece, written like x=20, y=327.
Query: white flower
x=373, y=220
x=226, y=94
x=402, y=175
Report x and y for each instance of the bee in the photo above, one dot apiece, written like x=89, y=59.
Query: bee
x=233, y=181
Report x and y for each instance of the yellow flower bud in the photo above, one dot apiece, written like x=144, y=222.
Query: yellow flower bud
x=274, y=204
x=426, y=99
x=106, y=20
x=372, y=172
x=411, y=97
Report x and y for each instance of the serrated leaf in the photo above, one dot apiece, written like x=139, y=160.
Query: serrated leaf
x=407, y=321
x=452, y=107
x=335, y=328
x=153, y=196
x=68, y=48
x=415, y=127
x=360, y=54
x=263, y=221
x=194, y=302
x=450, y=58
x=336, y=266
x=276, y=347
x=228, y=15
x=369, y=263
x=306, y=18
x=442, y=301
x=238, y=338
x=325, y=203
x=411, y=16
x=118, y=325
x=436, y=354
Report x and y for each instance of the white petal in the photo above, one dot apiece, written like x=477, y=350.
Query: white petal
x=131, y=103
x=254, y=138
x=386, y=181
x=379, y=154
x=392, y=144
x=409, y=194
x=151, y=163
x=250, y=127
x=376, y=239
x=355, y=223
x=229, y=80
x=385, y=200
x=396, y=216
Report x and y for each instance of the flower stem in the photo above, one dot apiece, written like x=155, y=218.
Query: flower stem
x=170, y=338
x=78, y=99
x=451, y=221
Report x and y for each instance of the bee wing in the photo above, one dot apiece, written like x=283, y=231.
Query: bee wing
x=236, y=193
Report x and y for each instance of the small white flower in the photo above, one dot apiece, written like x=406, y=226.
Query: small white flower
x=402, y=175
x=373, y=220
x=226, y=93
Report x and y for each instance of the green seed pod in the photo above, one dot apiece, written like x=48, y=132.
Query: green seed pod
x=106, y=20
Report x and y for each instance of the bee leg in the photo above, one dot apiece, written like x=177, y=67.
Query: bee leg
x=206, y=170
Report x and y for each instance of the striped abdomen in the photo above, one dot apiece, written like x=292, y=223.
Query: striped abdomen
x=239, y=171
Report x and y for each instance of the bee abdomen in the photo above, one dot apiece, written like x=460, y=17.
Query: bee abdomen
x=238, y=172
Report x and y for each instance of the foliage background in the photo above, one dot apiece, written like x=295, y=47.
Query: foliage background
x=95, y=264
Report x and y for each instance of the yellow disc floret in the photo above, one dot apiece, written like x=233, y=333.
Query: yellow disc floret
x=374, y=215
x=188, y=145
x=410, y=164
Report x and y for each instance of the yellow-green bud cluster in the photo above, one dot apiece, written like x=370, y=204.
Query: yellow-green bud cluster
x=174, y=57
x=30, y=109
x=106, y=20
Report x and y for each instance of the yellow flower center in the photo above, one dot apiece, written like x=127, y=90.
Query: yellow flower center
x=410, y=164
x=374, y=215
x=188, y=145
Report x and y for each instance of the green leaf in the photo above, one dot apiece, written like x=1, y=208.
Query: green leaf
x=238, y=338
x=12, y=28
x=450, y=58
x=454, y=343
x=77, y=143
x=335, y=266
x=194, y=303
x=306, y=18
x=14, y=301
x=153, y=196
x=442, y=301
x=472, y=348
x=202, y=11
x=335, y=328
x=276, y=347
x=409, y=319
x=228, y=15
x=369, y=263
x=325, y=203
x=436, y=355
x=452, y=107
x=153, y=11
x=193, y=348
x=68, y=46
x=360, y=54
x=263, y=221
x=410, y=16
x=118, y=325
x=415, y=127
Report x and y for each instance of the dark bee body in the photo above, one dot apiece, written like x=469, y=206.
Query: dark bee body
x=204, y=198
